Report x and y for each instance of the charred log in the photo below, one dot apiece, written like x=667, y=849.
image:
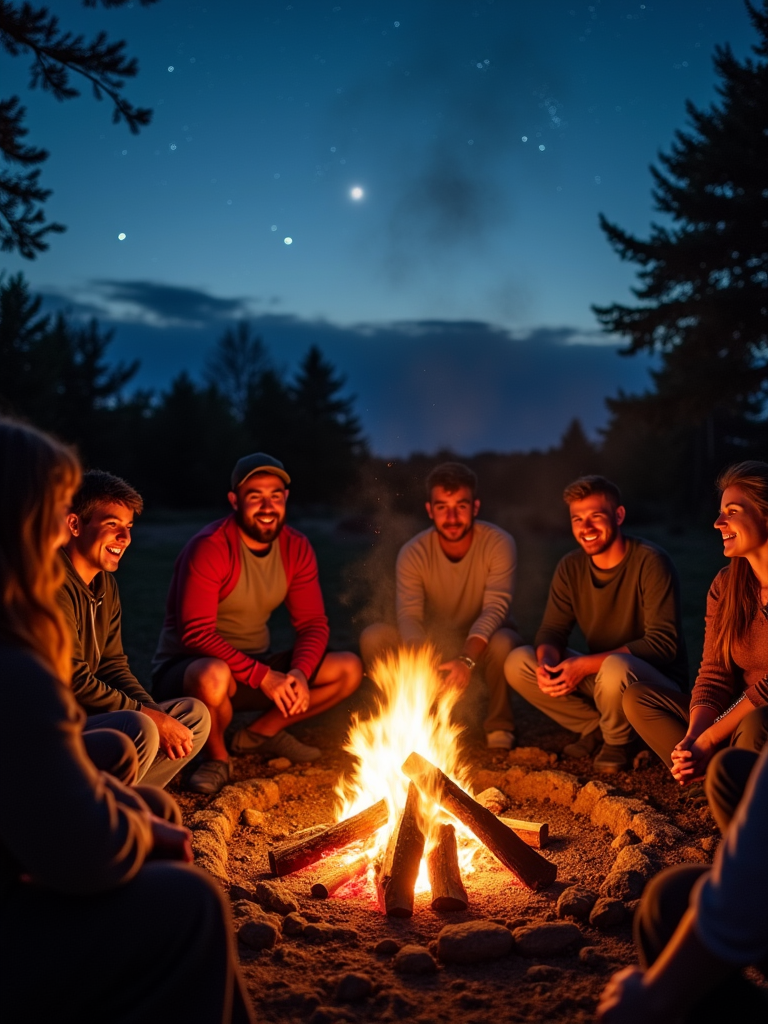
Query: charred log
x=448, y=892
x=290, y=857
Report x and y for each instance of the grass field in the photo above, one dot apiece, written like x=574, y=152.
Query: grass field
x=146, y=572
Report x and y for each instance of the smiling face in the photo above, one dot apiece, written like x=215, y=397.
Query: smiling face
x=98, y=544
x=259, y=506
x=595, y=523
x=742, y=526
x=453, y=512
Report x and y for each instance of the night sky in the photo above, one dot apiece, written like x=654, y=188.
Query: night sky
x=485, y=136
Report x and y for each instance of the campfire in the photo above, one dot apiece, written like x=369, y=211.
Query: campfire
x=406, y=820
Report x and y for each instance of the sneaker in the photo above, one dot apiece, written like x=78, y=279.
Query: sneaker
x=611, y=759
x=584, y=746
x=209, y=777
x=500, y=739
x=282, y=744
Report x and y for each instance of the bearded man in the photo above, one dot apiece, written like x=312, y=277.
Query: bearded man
x=623, y=594
x=454, y=588
x=215, y=643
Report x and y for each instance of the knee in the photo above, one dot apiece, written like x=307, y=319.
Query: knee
x=376, y=639
x=160, y=803
x=113, y=752
x=752, y=731
x=519, y=662
x=350, y=672
x=635, y=700
x=500, y=645
x=193, y=713
x=208, y=680
x=616, y=672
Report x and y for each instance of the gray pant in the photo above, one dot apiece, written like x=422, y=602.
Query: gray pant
x=596, y=701
x=155, y=769
x=375, y=640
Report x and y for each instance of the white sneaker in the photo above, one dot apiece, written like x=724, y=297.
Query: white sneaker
x=500, y=739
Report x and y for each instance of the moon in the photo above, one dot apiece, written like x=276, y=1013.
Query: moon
x=356, y=193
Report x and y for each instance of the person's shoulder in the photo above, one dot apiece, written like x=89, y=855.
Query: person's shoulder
x=418, y=545
x=493, y=534
x=717, y=584
x=29, y=682
x=647, y=552
x=572, y=562
x=292, y=538
x=217, y=535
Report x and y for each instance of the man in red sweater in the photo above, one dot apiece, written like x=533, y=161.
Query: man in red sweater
x=215, y=642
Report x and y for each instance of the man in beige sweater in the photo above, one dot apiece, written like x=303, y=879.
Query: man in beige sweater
x=454, y=588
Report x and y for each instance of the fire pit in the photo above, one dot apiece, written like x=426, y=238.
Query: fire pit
x=406, y=821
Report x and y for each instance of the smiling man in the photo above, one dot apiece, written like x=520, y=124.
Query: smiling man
x=623, y=594
x=215, y=643
x=454, y=589
x=165, y=735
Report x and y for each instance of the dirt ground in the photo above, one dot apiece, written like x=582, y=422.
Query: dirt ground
x=298, y=980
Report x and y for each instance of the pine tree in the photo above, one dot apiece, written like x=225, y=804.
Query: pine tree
x=235, y=366
x=57, y=55
x=704, y=277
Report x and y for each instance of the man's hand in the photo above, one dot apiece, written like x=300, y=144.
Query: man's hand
x=457, y=674
x=561, y=679
x=290, y=692
x=175, y=737
x=627, y=1000
x=691, y=756
x=171, y=842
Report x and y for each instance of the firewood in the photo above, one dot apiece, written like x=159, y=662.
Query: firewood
x=448, y=892
x=331, y=876
x=290, y=857
x=400, y=867
x=530, y=867
x=533, y=833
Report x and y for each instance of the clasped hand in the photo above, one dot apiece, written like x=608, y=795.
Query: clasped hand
x=561, y=679
x=690, y=758
x=175, y=737
x=289, y=691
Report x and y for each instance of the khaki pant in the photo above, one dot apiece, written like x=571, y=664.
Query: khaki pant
x=596, y=701
x=380, y=637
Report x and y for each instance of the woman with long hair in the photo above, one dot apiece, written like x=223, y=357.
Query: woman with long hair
x=729, y=702
x=85, y=862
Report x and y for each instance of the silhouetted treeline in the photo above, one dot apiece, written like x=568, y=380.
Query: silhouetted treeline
x=178, y=447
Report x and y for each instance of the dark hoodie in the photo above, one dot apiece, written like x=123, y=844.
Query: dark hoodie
x=101, y=678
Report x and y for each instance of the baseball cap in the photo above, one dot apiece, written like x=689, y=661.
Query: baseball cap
x=259, y=462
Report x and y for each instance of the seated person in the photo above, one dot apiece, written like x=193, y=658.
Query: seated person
x=698, y=927
x=454, y=588
x=215, y=642
x=729, y=704
x=166, y=736
x=623, y=594
x=90, y=862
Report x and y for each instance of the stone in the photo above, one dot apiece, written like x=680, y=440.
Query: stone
x=211, y=821
x=272, y=896
x=386, y=947
x=642, y=760
x=710, y=843
x=617, y=813
x=546, y=939
x=260, y=932
x=623, y=885
x=654, y=828
x=210, y=854
x=543, y=972
x=352, y=988
x=327, y=1015
x=576, y=901
x=293, y=924
x=531, y=757
x=588, y=796
x=319, y=933
x=692, y=855
x=413, y=959
x=607, y=913
x=345, y=934
x=253, y=817
x=263, y=794
x=483, y=779
x=635, y=858
x=279, y=763
x=239, y=892
x=231, y=802
x=493, y=799
x=557, y=787
x=591, y=956
x=625, y=838
x=472, y=942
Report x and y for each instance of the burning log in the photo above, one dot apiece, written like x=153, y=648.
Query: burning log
x=448, y=892
x=332, y=876
x=533, y=833
x=292, y=856
x=530, y=867
x=400, y=868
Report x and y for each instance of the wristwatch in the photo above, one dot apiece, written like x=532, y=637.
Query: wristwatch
x=466, y=660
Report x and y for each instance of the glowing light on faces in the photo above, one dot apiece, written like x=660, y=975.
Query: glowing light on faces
x=356, y=193
x=121, y=236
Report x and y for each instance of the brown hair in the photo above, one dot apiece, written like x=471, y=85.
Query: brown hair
x=451, y=476
x=98, y=488
x=588, y=485
x=740, y=598
x=36, y=474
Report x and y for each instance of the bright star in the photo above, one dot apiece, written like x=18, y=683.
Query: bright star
x=288, y=241
x=356, y=192
x=121, y=236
